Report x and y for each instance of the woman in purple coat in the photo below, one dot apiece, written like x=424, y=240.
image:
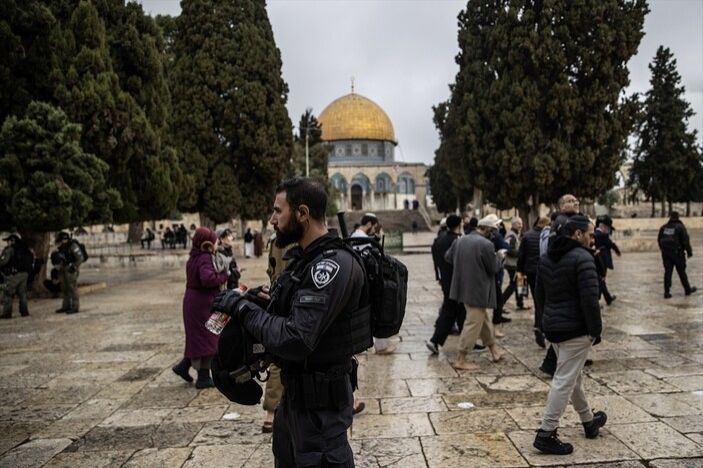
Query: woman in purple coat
x=202, y=284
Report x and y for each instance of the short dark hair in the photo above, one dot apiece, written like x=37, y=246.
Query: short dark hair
x=305, y=191
x=369, y=219
x=674, y=215
x=473, y=222
x=576, y=223
x=453, y=221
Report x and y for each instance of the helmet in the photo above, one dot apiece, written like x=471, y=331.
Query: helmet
x=62, y=236
x=236, y=364
x=13, y=236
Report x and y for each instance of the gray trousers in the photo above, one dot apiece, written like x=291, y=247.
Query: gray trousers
x=69, y=288
x=15, y=284
x=567, y=383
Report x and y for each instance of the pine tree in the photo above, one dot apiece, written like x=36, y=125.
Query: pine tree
x=666, y=150
x=47, y=181
x=229, y=117
x=536, y=108
x=318, y=151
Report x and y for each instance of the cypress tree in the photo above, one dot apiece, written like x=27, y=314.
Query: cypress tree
x=666, y=150
x=229, y=117
x=115, y=127
x=318, y=151
x=536, y=109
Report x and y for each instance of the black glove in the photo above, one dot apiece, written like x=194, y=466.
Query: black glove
x=227, y=302
x=253, y=297
x=71, y=268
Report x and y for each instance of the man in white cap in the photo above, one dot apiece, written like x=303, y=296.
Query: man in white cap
x=473, y=284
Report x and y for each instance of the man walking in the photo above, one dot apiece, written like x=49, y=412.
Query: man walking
x=16, y=263
x=674, y=244
x=513, y=238
x=451, y=311
x=567, y=290
x=528, y=258
x=476, y=264
x=604, y=246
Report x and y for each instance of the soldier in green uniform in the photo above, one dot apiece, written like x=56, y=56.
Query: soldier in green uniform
x=68, y=257
x=16, y=262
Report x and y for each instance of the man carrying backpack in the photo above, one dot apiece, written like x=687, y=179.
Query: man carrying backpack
x=318, y=318
x=67, y=258
x=16, y=263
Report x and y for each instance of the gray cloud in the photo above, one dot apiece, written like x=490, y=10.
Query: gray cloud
x=401, y=53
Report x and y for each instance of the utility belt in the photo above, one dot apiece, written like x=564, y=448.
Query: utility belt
x=317, y=390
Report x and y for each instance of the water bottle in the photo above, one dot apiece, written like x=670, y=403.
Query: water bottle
x=217, y=321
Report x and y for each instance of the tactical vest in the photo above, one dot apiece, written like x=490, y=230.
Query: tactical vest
x=349, y=333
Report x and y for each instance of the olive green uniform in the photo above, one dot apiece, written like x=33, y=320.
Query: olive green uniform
x=14, y=283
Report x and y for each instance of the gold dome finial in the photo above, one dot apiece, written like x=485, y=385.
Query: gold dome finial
x=352, y=85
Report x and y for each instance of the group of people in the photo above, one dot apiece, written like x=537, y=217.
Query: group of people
x=171, y=237
x=19, y=267
x=564, y=261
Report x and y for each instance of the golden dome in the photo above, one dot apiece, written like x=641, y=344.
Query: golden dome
x=354, y=117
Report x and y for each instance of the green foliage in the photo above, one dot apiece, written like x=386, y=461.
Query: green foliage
x=536, y=108
x=608, y=198
x=230, y=123
x=47, y=181
x=666, y=151
x=318, y=151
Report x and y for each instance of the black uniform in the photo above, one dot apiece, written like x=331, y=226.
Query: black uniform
x=317, y=320
x=674, y=244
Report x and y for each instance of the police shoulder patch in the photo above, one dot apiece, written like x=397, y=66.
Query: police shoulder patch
x=323, y=272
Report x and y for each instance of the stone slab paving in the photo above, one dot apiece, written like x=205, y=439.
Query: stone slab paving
x=96, y=390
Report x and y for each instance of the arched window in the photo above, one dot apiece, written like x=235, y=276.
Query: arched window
x=406, y=184
x=361, y=180
x=383, y=183
x=339, y=182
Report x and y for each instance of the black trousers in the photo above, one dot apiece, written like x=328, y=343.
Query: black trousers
x=672, y=261
x=450, y=313
x=498, y=311
x=312, y=438
x=512, y=288
x=604, y=290
x=531, y=283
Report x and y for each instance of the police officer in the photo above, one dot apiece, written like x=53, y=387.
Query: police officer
x=674, y=244
x=317, y=319
x=67, y=259
x=16, y=262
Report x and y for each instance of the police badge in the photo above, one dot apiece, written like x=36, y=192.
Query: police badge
x=323, y=272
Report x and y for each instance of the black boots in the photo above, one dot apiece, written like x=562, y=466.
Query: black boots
x=591, y=428
x=204, y=379
x=691, y=291
x=548, y=442
x=181, y=370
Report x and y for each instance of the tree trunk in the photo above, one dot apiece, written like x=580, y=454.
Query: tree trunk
x=40, y=244
x=670, y=206
x=663, y=203
x=653, y=208
x=205, y=221
x=688, y=208
x=134, y=235
x=525, y=212
x=477, y=203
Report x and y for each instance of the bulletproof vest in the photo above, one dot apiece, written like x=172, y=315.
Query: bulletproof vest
x=349, y=333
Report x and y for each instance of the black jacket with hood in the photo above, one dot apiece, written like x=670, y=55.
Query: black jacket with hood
x=567, y=291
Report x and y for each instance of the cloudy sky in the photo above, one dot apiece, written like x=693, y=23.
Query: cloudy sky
x=401, y=55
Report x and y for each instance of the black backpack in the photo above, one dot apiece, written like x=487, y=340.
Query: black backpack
x=84, y=253
x=388, y=285
x=24, y=259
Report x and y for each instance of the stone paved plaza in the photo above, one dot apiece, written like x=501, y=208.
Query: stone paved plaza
x=96, y=390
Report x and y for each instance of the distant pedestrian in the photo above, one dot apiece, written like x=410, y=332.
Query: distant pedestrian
x=675, y=246
x=604, y=245
x=248, y=243
x=475, y=264
x=414, y=227
x=202, y=284
x=147, y=237
x=513, y=238
x=567, y=290
x=67, y=258
x=470, y=225
x=258, y=244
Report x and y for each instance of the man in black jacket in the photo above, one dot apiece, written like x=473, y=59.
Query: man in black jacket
x=674, y=244
x=604, y=246
x=567, y=290
x=451, y=312
x=528, y=258
x=317, y=319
